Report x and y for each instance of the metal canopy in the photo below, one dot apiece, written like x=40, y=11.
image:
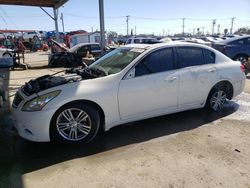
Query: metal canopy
x=55, y=4
x=38, y=3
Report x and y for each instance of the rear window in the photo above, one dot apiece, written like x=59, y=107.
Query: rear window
x=245, y=41
x=95, y=47
x=209, y=56
x=189, y=56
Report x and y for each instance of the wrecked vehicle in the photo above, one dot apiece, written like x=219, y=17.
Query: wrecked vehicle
x=130, y=83
x=73, y=57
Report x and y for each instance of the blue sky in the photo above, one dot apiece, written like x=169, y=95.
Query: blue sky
x=149, y=16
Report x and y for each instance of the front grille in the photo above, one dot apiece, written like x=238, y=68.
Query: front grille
x=17, y=100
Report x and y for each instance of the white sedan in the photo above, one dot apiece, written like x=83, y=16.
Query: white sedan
x=131, y=83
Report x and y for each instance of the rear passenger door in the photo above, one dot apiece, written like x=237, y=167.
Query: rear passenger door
x=197, y=74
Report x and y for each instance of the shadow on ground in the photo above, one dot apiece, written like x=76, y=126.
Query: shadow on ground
x=18, y=156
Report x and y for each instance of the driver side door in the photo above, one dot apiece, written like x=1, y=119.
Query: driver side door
x=153, y=88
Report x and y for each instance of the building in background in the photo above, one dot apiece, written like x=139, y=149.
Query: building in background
x=93, y=37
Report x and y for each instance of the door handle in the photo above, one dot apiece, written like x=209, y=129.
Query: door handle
x=211, y=70
x=171, y=79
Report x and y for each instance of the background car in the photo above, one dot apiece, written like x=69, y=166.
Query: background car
x=130, y=83
x=31, y=35
x=2, y=36
x=5, y=52
x=73, y=57
x=142, y=40
x=237, y=48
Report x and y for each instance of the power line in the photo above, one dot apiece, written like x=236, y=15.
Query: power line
x=148, y=18
x=4, y=20
x=8, y=17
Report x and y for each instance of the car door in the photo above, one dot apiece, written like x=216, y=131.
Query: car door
x=197, y=75
x=82, y=51
x=151, y=87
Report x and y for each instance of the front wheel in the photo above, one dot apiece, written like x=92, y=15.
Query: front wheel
x=241, y=58
x=216, y=99
x=75, y=123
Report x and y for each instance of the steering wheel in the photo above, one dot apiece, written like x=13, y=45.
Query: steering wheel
x=103, y=70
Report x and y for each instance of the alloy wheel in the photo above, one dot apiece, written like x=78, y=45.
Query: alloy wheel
x=217, y=100
x=73, y=124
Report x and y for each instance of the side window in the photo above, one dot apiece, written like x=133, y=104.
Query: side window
x=158, y=61
x=247, y=42
x=129, y=41
x=189, y=56
x=95, y=47
x=82, y=52
x=237, y=42
x=209, y=56
x=136, y=41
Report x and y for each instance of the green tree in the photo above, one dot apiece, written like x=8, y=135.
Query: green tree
x=243, y=30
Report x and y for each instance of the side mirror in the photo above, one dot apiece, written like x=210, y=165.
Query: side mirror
x=131, y=74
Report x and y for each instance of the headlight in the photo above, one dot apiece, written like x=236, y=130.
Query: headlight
x=38, y=103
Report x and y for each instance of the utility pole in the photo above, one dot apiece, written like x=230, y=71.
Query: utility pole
x=214, y=22
x=163, y=32
x=218, y=31
x=62, y=21
x=135, y=30
x=127, y=23
x=102, y=25
x=232, y=25
x=56, y=23
x=203, y=30
x=183, y=26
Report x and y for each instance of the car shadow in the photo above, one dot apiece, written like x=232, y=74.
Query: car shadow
x=31, y=156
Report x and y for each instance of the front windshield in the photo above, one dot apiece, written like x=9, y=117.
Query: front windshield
x=116, y=60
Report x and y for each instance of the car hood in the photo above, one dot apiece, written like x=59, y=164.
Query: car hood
x=60, y=46
x=68, y=76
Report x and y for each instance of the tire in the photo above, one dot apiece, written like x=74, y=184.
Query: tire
x=216, y=98
x=5, y=95
x=242, y=58
x=7, y=55
x=1, y=101
x=67, y=127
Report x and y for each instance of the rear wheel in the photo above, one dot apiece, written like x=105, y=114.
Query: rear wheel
x=75, y=123
x=7, y=55
x=217, y=98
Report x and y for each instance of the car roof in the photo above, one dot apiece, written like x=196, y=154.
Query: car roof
x=74, y=48
x=170, y=44
x=233, y=39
